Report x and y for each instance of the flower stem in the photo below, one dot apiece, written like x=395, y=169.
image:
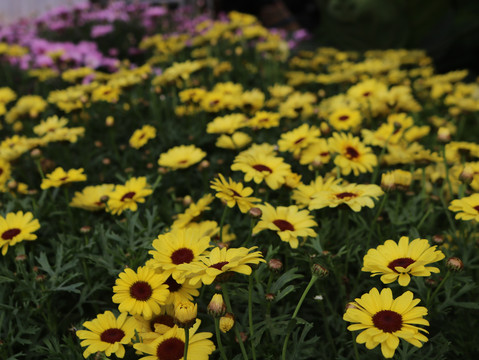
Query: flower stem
x=301, y=300
x=187, y=340
x=431, y=298
x=250, y=315
x=218, y=339
x=228, y=307
x=222, y=222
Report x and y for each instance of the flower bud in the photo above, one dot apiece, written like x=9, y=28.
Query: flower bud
x=216, y=307
x=454, y=264
x=275, y=265
x=444, y=134
x=319, y=271
x=185, y=314
x=85, y=229
x=438, y=239
x=36, y=153
x=227, y=322
x=255, y=212
x=109, y=121
x=269, y=297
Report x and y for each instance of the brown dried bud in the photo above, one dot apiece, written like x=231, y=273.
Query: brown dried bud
x=454, y=264
x=275, y=265
x=21, y=257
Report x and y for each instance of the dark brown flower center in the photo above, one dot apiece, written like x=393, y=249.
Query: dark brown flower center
x=170, y=349
x=165, y=319
x=112, y=335
x=128, y=195
x=235, y=193
x=219, y=265
x=10, y=234
x=367, y=93
x=64, y=178
x=351, y=153
x=1, y=171
x=344, y=117
x=182, y=161
x=387, y=321
x=173, y=286
x=141, y=290
x=402, y=262
x=283, y=225
x=476, y=208
x=260, y=167
x=345, y=195
x=299, y=140
x=181, y=256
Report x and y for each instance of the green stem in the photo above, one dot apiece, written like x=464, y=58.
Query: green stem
x=230, y=309
x=447, y=171
x=222, y=222
x=250, y=314
x=430, y=299
x=218, y=339
x=301, y=300
x=187, y=340
x=356, y=352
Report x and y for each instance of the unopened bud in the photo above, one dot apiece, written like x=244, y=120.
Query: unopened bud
x=104, y=198
x=454, y=264
x=203, y=165
x=255, y=213
x=36, y=153
x=216, y=307
x=185, y=314
x=187, y=200
x=21, y=257
x=275, y=265
x=12, y=185
x=98, y=144
x=444, y=134
x=319, y=271
x=227, y=322
x=85, y=229
x=431, y=282
x=269, y=297
x=106, y=161
x=438, y=239
x=110, y=121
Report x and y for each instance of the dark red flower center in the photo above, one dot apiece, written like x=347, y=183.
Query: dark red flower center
x=173, y=286
x=170, y=349
x=344, y=117
x=219, y=265
x=141, y=290
x=1, y=171
x=10, y=234
x=260, y=167
x=283, y=225
x=64, y=178
x=112, y=335
x=164, y=319
x=476, y=208
x=345, y=195
x=128, y=195
x=387, y=321
x=351, y=153
x=367, y=93
x=299, y=140
x=181, y=256
x=182, y=161
x=403, y=262
x=235, y=193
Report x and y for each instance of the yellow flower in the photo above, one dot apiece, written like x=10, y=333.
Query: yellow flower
x=92, y=198
x=304, y=194
x=185, y=313
x=401, y=260
x=316, y=154
x=171, y=345
x=396, y=179
x=384, y=320
x=51, y=124
x=176, y=249
x=345, y=119
x=15, y=228
x=193, y=212
x=127, y=197
x=226, y=322
x=264, y=120
x=107, y=334
x=5, y=172
x=352, y=155
x=141, y=292
x=181, y=157
x=467, y=208
x=59, y=177
x=354, y=195
x=141, y=136
x=296, y=140
x=234, y=193
x=236, y=141
x=217, y=306
x=226, y=124
x=289, y=222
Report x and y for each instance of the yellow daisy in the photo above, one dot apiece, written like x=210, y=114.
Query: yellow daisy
x=173, y=250
x=141, y=136
x=316, y=154
x=264, y=120
x=235, y=141
x=141, y=292
x=352, y=155
x=59, y=177
x=227, y=124
x=193, y=212
x=181, y=157
x=304, y=194
x=92, y=198
x=234, y=193
x=298, y=139
x=401, y=260
x=289, y=222
x=127, y=197
x=466, y=208
x=384, y=320
x=107, y=334
x=5, y=172
x=15, y=228
x=171, y=345
x=159, y=323
x=345, y=119
x=354, y=195
x=180, y=292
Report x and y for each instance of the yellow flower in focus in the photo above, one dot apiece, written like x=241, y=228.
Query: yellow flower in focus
x=141, y=136
x=185, y=313
x=59, y=177
x=402, y=260
x=289, y=222
x=127, y=197
x=226, y=322
x=298, y=139
x=234, y=193
x=384, y=320
x=181, y=157
x=16, y=227
x=107, y=334
x=466, y=208
x=352, y=155
x=345, y=119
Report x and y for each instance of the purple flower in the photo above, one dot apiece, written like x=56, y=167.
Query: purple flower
x=100, y=30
